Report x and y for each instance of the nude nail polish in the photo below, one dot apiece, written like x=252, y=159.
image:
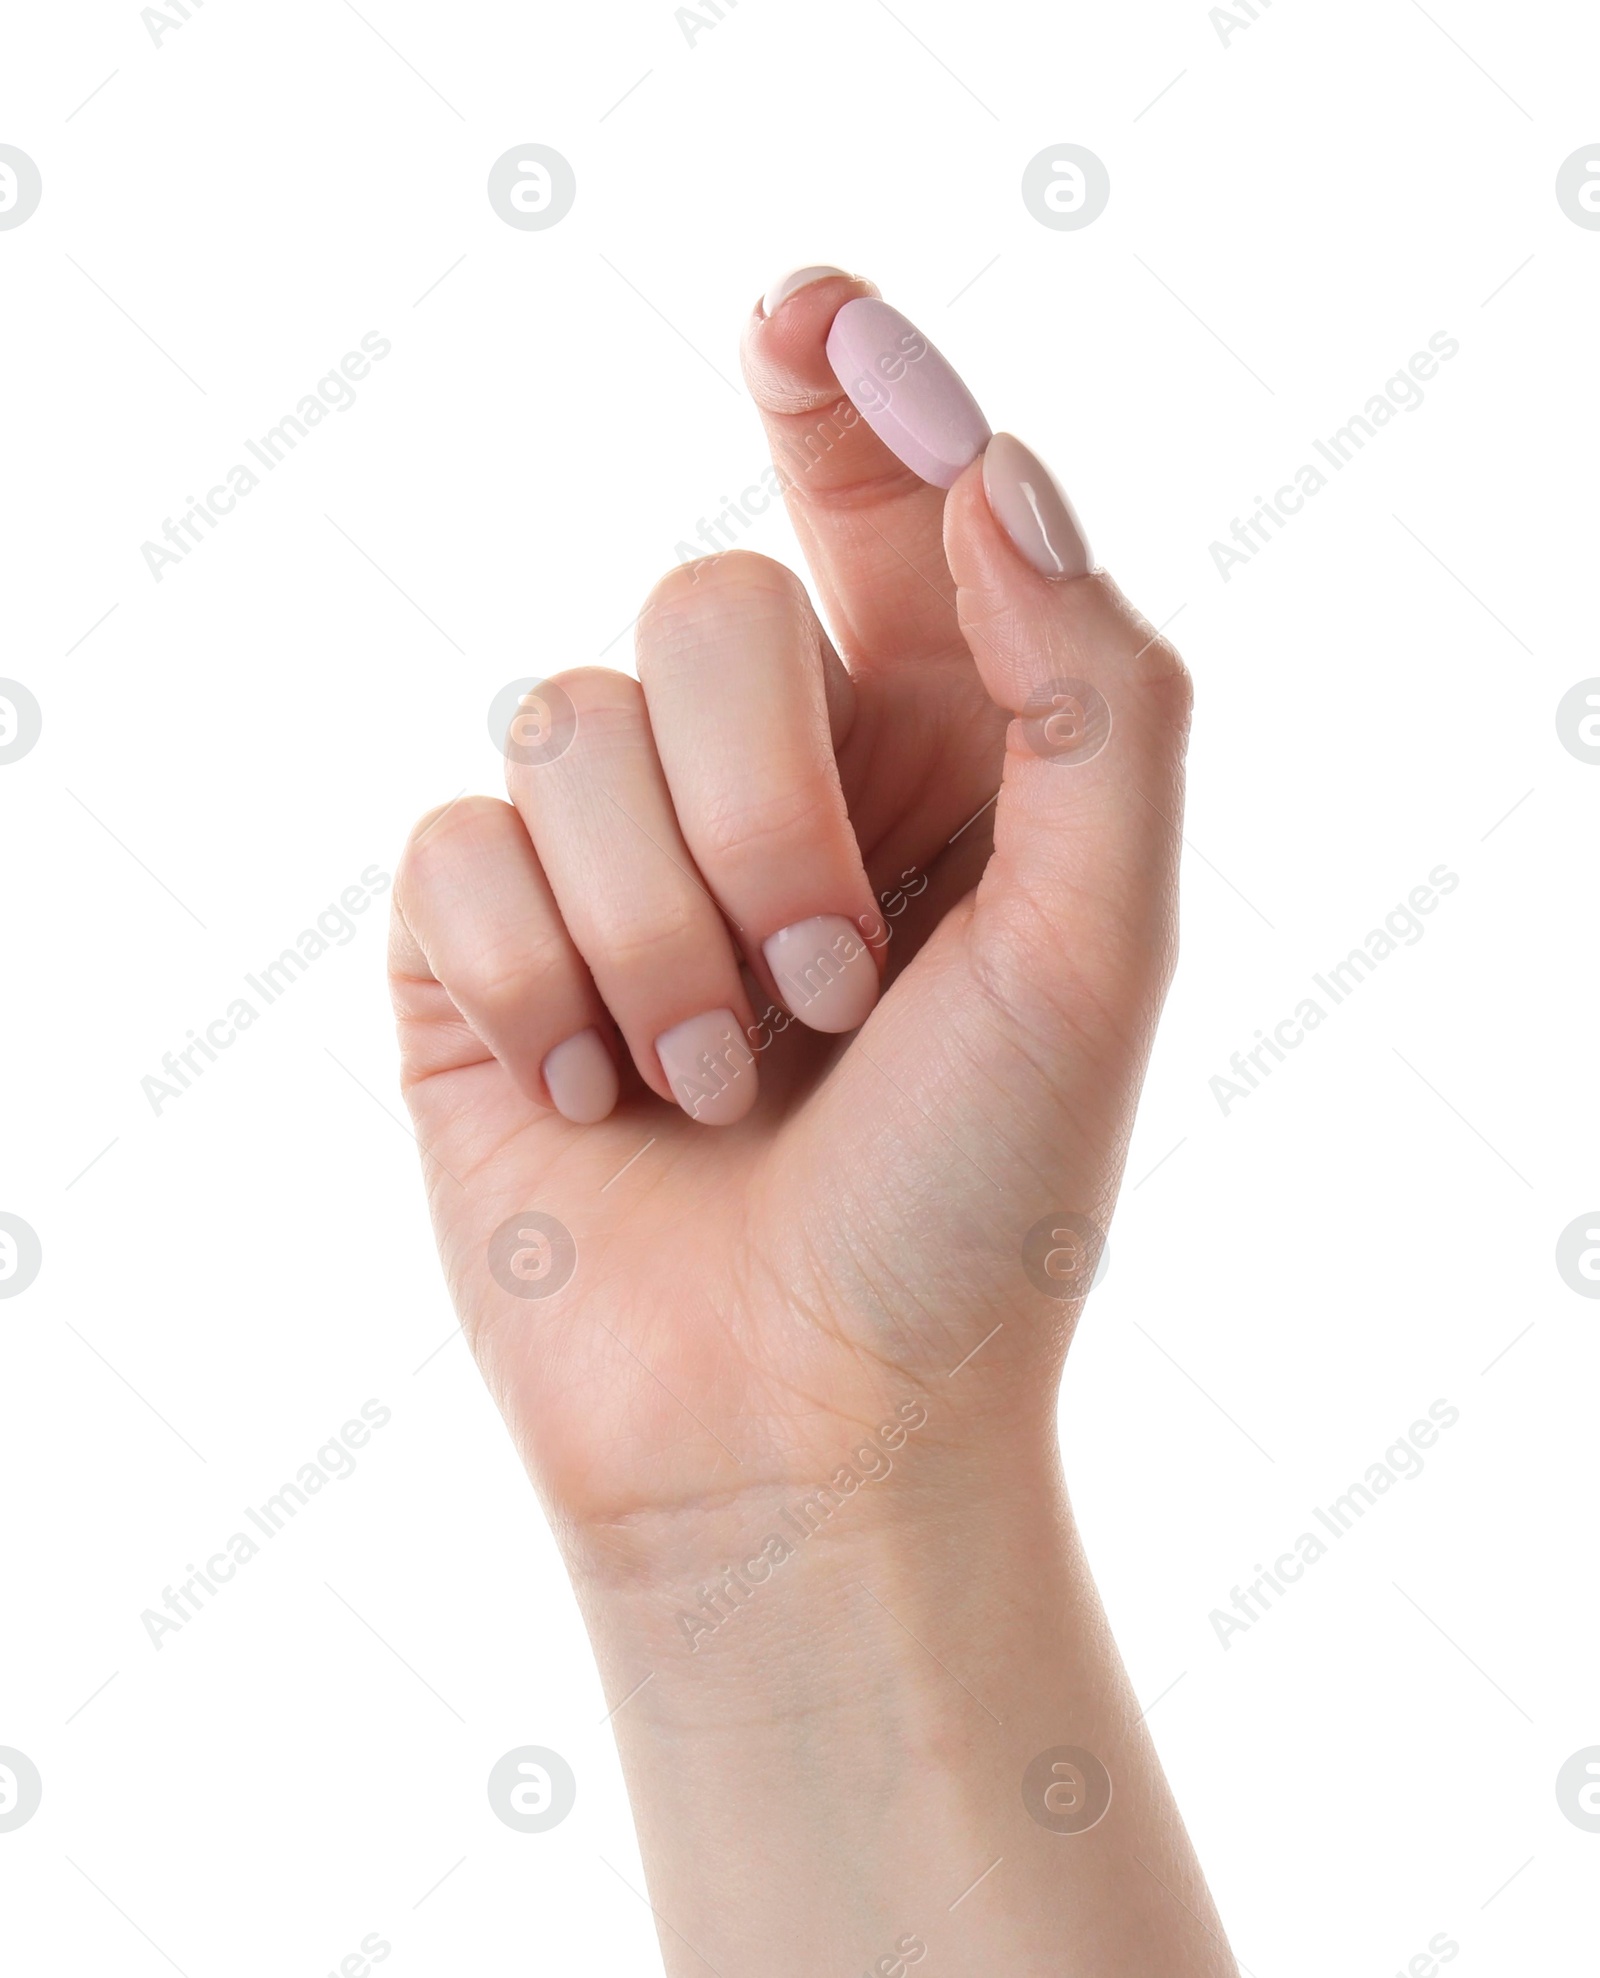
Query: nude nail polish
x=825, y=972
x=710, y=1067
x=788, y=285
x=1028, y=503
x=581, y=1078
x=906, y=391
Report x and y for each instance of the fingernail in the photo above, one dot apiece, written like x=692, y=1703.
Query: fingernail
x=781, y=291
x=824, y=972
x=710, y=1067
x=581, y=1079
x=907, y=393
x=1026, y=501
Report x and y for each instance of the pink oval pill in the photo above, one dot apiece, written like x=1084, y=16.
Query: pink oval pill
x=908, y=393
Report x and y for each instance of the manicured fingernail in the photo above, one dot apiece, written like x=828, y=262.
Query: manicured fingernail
x=1029, y=505
x=907, y=393
x=781, y=291
x=824, y=972
x=710, y=1067
x=581, y=1079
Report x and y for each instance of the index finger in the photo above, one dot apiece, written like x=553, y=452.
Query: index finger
x=871, y=528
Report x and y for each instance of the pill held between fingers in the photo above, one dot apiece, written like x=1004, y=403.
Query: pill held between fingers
x=908, y=393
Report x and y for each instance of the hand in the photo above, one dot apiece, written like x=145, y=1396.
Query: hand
x=747, y=1296
x=774, y=1054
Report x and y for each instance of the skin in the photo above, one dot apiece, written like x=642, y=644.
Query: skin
x=825, y=1756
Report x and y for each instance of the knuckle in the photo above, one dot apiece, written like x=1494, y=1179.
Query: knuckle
x=1171, y=684
x=1158, y=669
x=733, y=588
x=597, y=692
x=608, y=720
x=609, y=706
x=646, y=941
x=757, y=827
x=1165, y=669
x=441, y=836
x=463, y=813
x=731, y=574
x=502, y=978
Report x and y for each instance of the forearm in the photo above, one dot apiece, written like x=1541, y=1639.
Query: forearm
x=827, y=1757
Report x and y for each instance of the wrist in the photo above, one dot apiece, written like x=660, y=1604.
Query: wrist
x=831, y=1756
x=896, y=1541
x=849, y=1748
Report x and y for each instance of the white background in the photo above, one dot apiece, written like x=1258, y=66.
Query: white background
x=227, y=750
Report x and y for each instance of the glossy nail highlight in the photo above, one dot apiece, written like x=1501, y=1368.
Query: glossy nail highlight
x=1026, y=500
x=788, y=285
x=906, y=391
x=825, y=972
x=581, y=1078
x=710, y=1067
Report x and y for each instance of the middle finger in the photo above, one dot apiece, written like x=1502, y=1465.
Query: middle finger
x=747, y=704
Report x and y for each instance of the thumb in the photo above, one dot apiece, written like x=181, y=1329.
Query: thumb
x=1075, y=921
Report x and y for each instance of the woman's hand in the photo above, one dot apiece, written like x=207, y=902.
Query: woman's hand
x=747, y=1296
x=799, y=1262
